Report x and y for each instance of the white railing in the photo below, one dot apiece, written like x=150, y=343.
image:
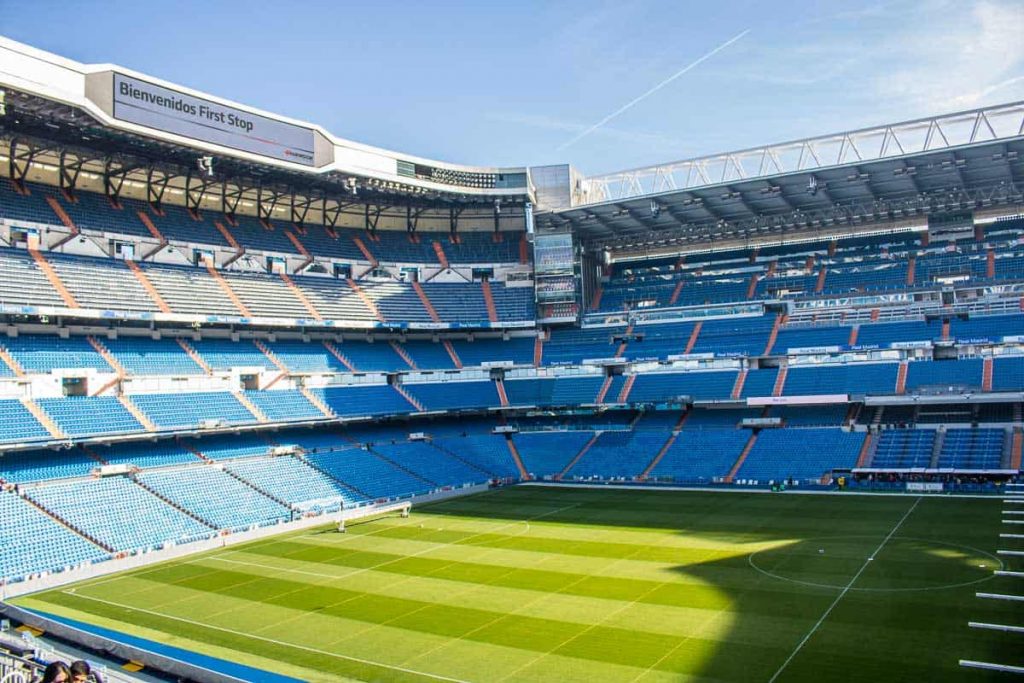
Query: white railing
x=1000, y=122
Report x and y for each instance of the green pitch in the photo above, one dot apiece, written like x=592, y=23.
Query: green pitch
x=551, y=584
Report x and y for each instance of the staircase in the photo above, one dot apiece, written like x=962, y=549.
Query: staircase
x=729, y=478
x=940, y=439
x=580, y=454
x=911, y=269
x=194, y=355
x=854, y=331
x=64, y=523
x=901, y=378
x=44, y=419
x=456, y=361
x=250, y=406
x=179, y=508
x=692, y=341
x=301, y=248
x=626, y=388
x=603, y=391
x=155, y=231
x=538, y=350
x=301, y=296
x=270, y=356
x=442, y=258
x=514, y=452
x=752, y=287
x=64, y=218
x=370, y=306
x=367, y=254
x=867, y=451
x=737, y=388
x=107, y=356
x=53, y=278
x=148, y=286
x=773, y=335
x=226, y=288
x=990, y=264
x=595, y=302
x=492, y=311
x=257, y=489
x=136, y=412
x=819, y=284
x=780, y=380
x=1015, y=449
x=11, y=363
x=675, y=293
x=342, y=358
x=665, y=447
x=502, y=396
x=986, y=374
x=228, y=237
x=425, y=300
x=403, y=354
x=306, y=461
x=409, y=397
x=315, y=400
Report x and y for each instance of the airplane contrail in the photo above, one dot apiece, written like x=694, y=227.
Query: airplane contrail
x=659, y=86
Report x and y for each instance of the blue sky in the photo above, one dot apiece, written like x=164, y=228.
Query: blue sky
x=508, y=83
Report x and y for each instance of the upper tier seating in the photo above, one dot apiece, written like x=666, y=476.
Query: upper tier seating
x=188, y=409
x=455, y=395
x=43, y=353
x=222, y=354
x=853, y=379
x=144, y=356
x=17, y=424
x=80, y=416
x=481, y=350
x=668, y=386
x=364, y=399
x=284, y=405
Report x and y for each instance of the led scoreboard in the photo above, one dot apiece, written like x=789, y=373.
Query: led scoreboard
x=557, y=283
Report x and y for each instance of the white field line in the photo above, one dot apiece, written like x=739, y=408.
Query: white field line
x=843, y=593
x=271, y=640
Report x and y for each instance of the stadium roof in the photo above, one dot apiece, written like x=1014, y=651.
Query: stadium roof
x=119, y=111
x=965, y=160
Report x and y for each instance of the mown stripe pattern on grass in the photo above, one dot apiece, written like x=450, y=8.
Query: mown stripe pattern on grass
x=530, y=584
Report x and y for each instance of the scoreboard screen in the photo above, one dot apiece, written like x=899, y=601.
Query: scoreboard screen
x=554, y=254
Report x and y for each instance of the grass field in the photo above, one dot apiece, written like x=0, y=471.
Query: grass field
x=557, y=584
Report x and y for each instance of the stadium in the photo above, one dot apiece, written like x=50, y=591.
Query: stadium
x=280, y=406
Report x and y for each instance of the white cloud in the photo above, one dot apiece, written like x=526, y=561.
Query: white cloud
x=966, y=57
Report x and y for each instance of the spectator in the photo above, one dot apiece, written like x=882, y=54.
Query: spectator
x=81, y=672
x=56, y=672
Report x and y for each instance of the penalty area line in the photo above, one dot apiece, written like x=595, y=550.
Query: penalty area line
x=842, y=594
x=358, y=660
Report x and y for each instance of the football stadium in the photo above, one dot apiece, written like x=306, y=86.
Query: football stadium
x=280, y=406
